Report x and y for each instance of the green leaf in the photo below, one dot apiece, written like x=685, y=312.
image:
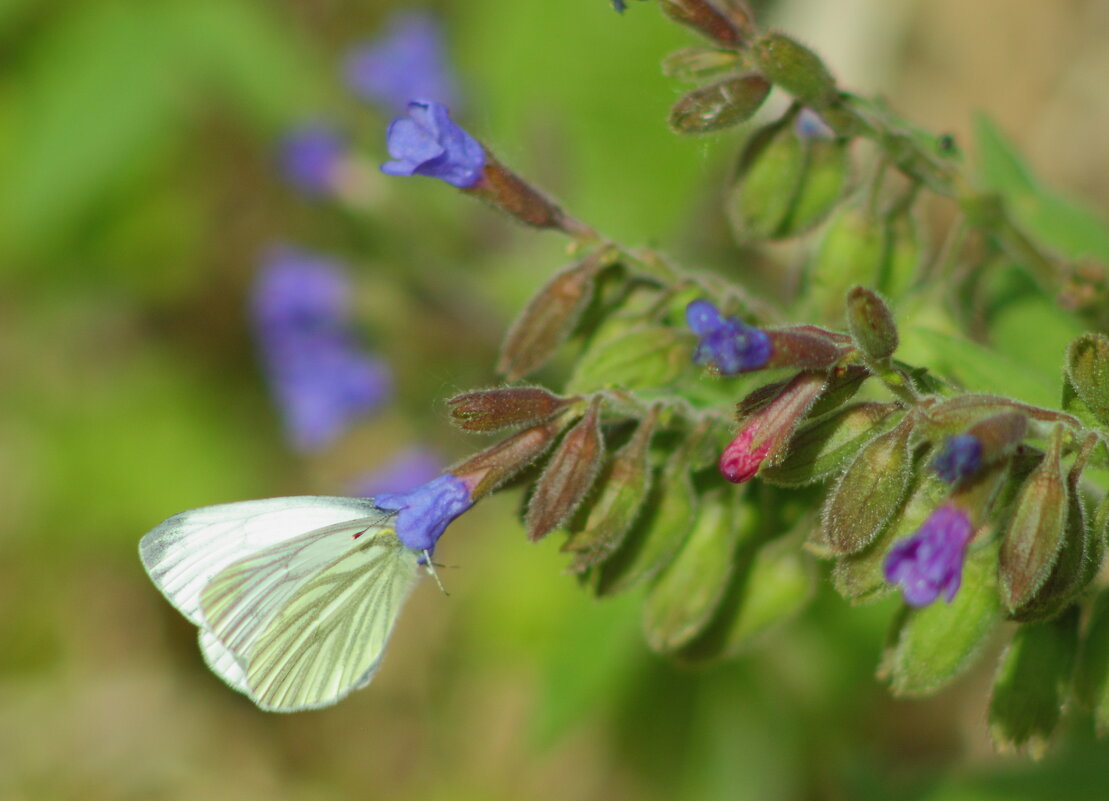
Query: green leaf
x=1091, y=680
x=935, y=644
x=1062, y=224
x=1032, y=684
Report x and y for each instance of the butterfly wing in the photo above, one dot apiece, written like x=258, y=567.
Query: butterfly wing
x=184, y=553
x=305, y=621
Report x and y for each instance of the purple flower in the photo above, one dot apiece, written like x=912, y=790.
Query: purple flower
x=930, y=562
x=322, y=380
x=405, y=470
x=406, y=62
x=619, y=5
x=427, y=142
x=311, y=158
x=809, y=125
x=731, y=345
x=425, y=512
x=961, y=456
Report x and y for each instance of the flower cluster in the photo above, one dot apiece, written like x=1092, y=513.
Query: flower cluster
x=322, y=379
x=728, y=343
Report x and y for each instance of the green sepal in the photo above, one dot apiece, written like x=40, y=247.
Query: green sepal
x=1033, y=683
x=824, y=446
x=870, y=492
x=771, y=170
x=931, y=646
x=685, y=595
x=719, y=105
x=796, y=69
x=645, y=358
x=698, y=63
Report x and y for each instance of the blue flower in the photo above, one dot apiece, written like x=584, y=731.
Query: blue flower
x=619, y=5
x=425, y=512
x=930, y=562
x=406, y=62
x=405, y=470
x=322, y=380
x=730, y=344
x=311, y=157
x=427, y=142
x=960, y=457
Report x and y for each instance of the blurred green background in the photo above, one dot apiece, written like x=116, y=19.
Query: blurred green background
x=138, y=188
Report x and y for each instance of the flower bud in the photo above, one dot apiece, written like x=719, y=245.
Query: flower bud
x=960, y=414
x=489, y=469
x=548, y=319
x=503, y=189
x=703, y=17
x=802, y=349
x=796, y=69
x=719, y=105
x=1088, y=372
x=494, y=409
x=624, y=484
x=1034, y=539
x=569, y=475
x=825, y=446
x=850, y=253
x=983, y=443
x=684, y=596
x=764, y=434
x=870, y=492
x=695, y=63
x=871, y=325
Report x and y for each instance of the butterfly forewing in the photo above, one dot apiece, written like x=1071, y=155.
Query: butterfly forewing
x=307, y=620
x=184, y=553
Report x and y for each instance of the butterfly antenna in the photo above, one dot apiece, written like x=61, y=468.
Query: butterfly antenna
x=431, y=569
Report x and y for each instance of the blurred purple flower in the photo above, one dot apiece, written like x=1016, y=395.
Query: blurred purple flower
x=729, y=343
x=930, y=562
x=809, y=125
x=322, y=380
x=405, y=63
x=961, y=455
x=311, y=157
x=425, y=512
x=405, y=470
x=427, y=142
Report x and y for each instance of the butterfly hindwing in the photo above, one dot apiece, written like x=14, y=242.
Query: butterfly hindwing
x=306, y=620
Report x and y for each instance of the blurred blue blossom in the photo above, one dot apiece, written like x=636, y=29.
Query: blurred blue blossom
x=425, y=512
x=405, y=470
x=405, y=63
x=961, y=456
x=312, y=156
x=730, y=344
x=930, y=562
x=427, y=142
x=322, y=380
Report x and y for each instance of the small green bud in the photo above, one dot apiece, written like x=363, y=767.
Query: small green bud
x=624, y=486
x=568, y=476
x=824, y=446
x=494, y=409
x=870, y=492
x=492, y=467
x=703, y=17
x=770, y=171
x=1088, y=372
x=827, y=170
x=696, y=63
x=686, y=594
x=871, y=325
x=796, y=69
x=1033, y=684
x=1034, y=539
x=548, y=319
x=719, y=105
x=646, y=357
x=934, y=644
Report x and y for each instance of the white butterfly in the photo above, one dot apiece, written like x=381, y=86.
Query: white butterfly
x=295, y=597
